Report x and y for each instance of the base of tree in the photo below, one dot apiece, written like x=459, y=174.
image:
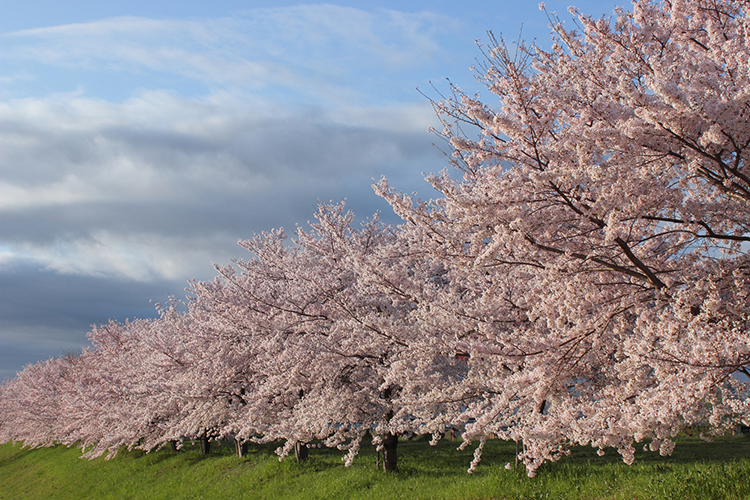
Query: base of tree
x=300, y=451
x=390, y=457
x=241, y=448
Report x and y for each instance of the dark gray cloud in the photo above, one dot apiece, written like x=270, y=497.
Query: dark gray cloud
x=44, y=313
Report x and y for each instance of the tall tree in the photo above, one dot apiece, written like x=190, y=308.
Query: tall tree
x=597, y=240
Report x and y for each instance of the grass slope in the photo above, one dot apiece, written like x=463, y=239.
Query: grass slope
x=697, y=470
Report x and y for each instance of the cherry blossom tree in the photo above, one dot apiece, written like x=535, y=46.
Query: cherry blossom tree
x=143, y=383
x=596, y=243
x=31, y=403
x=175, y=378
x=335, y=312
x=121, y=393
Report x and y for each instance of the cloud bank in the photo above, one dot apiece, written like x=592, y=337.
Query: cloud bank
x=136, y=152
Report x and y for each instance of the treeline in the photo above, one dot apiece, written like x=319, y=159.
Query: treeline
x=585, y=281
x=317, y=340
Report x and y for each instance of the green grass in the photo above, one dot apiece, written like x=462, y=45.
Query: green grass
x=697, y=470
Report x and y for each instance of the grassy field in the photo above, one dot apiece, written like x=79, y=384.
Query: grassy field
x=697, y=470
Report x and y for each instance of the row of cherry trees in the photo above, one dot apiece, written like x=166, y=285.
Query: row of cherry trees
x=585, y=281
x=319, y=340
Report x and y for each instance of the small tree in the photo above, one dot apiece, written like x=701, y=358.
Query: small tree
x=336, y=308
x=32, y=404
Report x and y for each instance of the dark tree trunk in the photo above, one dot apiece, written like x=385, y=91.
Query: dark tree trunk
x=389, y=452
x=300, y=451
x=173, y=444
x=205, y=446
x=240, y=447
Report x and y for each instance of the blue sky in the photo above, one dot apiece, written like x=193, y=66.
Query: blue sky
x=140, y=140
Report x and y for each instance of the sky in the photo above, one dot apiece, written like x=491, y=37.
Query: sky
x=140, y=140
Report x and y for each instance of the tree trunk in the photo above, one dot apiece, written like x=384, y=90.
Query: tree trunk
x=240, y=447
x=300, y=451
x=173, y=444
x=205, y=446
x=389, y=452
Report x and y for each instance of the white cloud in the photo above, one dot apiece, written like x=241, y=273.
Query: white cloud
x=159, y=145
x=159, y=186
x=137, y=257
x=300, y=104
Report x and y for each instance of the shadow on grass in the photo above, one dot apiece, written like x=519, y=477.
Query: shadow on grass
x=18, y=454
x=689, y=451
x=418, y=457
